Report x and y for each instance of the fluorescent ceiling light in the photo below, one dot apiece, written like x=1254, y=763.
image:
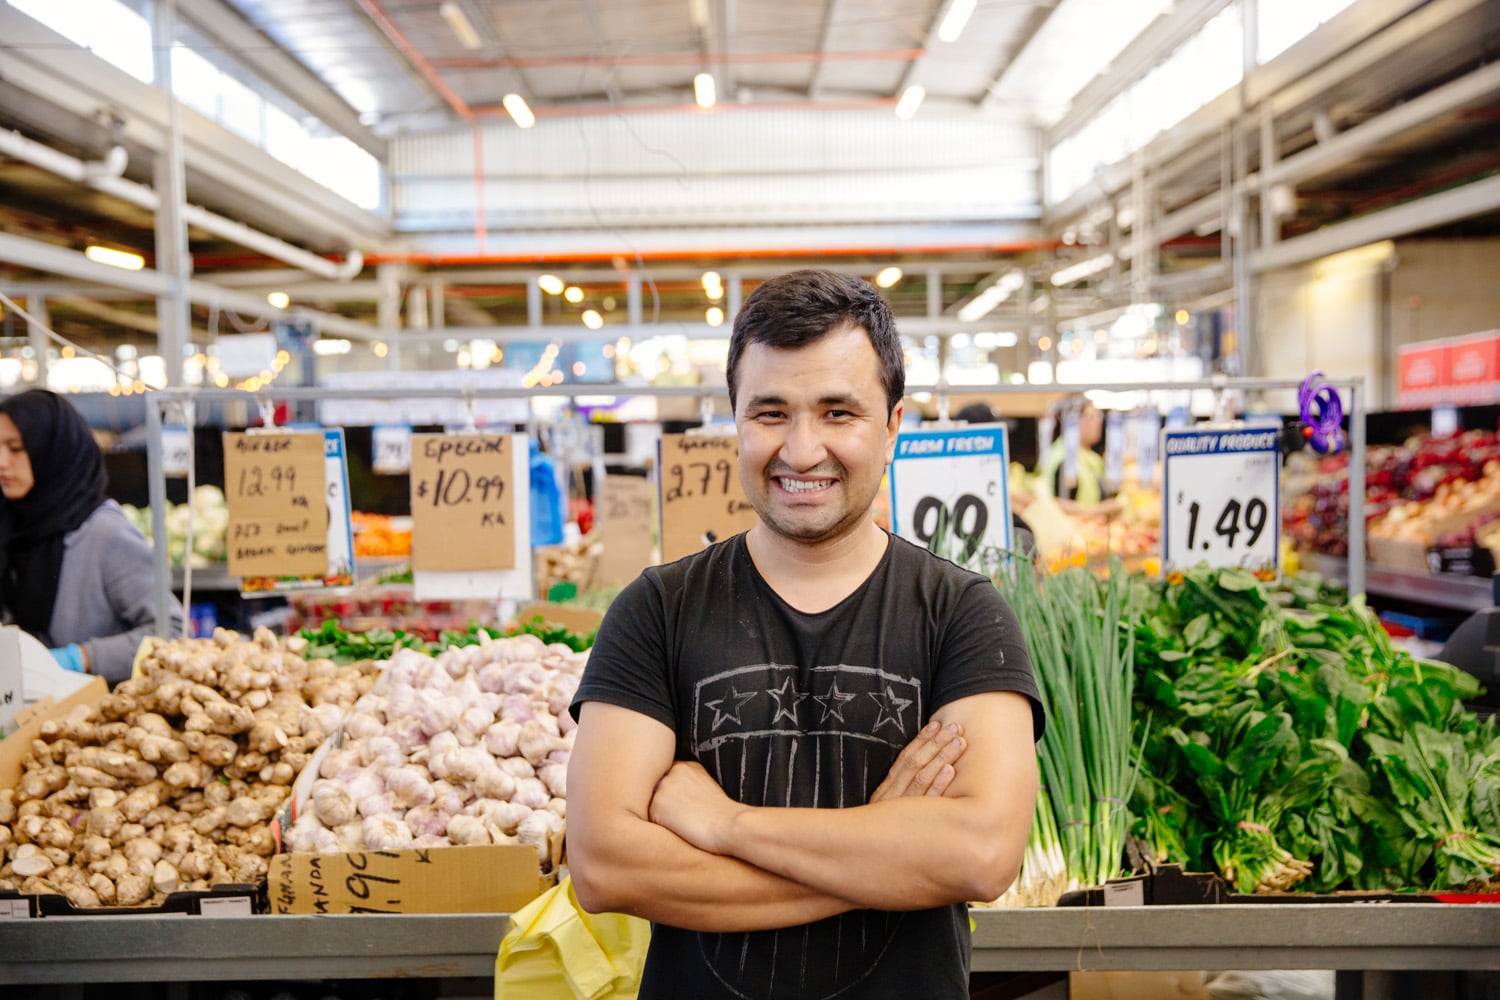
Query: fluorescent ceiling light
x=1077, y=42
x=458, y=19
x=328, y=347
x=953, y=22
x=985, y=302
x=1082, y=269
x=703, y=90
x=279, y=299
x=515, y=104
x=550, y=283
x=888, y=276
x=115, y=258
x=910, y=101
x=592, y=319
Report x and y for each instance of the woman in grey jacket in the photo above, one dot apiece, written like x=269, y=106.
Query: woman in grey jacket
x=74, y=572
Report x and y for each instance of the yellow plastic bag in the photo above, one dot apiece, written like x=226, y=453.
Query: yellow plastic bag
x=555, y=951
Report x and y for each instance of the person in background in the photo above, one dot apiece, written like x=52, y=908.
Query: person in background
x=1085, y=492
x=801, y=750
x=74, y=572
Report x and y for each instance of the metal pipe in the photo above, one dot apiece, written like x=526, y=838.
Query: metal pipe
x=1356, y=489
x=156, y=489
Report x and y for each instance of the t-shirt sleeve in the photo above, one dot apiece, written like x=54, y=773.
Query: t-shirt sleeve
x=983, y=650
x=628, y=664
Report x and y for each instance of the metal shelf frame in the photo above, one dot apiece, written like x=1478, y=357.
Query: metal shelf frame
x=1353, y=388
x=1346, y=936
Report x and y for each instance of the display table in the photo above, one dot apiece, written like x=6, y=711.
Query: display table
x=1359, y=936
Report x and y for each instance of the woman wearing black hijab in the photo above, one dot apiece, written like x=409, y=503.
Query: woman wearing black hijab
x=74, y=572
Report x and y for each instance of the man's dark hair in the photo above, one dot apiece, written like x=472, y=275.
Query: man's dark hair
x=795, y=309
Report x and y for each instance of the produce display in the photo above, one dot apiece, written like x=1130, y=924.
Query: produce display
x=386, y=607
x=333, y=642
x=468, y=747
x=1426, y=491
x=171, y=780
x=380, y=536
x=1292, y=747
x=209, y=516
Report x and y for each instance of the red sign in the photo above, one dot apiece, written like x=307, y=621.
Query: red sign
x=1424, y=375
x=1474, y=369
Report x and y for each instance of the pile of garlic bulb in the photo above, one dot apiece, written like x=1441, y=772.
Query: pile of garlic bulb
x=469, y=747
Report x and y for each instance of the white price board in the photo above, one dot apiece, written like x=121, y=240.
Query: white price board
x=949, y=490
x=390, y=447
x=176, y=450
x=1221, y=497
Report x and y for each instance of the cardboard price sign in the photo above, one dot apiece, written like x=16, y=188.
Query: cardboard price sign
x=701, y=498
x=624, y=518
x=278, y=519
x=1220, y=498
x=462, y=502
x=949, y=490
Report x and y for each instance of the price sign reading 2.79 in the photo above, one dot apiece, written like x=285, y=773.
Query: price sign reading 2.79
x=462, y=504
x=697, y=479
x=1220, y=497
x=949, y=492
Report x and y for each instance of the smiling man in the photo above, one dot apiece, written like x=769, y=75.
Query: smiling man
x=803, y=749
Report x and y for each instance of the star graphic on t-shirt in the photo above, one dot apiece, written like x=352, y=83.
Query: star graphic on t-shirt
x=891, y=707
x=737, y=701
x=833, y=702
x=787, y=700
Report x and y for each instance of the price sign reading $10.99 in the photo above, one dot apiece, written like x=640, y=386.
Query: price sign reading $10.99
x=949, y=491
x=1220, y=497
x=462, y=502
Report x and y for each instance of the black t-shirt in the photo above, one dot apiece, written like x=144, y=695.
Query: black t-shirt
x=809, y=710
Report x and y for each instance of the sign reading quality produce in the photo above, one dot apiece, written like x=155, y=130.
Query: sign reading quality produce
x=1220, y=497
x=949, y=490
x=278, y=519
x=701, y=498
x=462, y=502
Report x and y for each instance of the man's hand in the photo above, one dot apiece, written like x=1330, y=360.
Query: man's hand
x=925, y=766
x=690, y=803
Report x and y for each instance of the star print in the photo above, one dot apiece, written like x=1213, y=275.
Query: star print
x=833, y=702
x=737, y=701
x=891, y=707
x=787, y=701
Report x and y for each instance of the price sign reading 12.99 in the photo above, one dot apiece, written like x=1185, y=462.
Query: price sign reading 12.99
x=1220, y=497
x=949, y=491
x=462, y=502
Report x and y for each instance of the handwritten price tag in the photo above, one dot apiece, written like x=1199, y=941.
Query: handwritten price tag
x=625, y=523
x=949, y=491
x=278, y=517
x=391, y=449
x=462, y=502
x=176, y=451
x=701, y=498
x=1220, y=498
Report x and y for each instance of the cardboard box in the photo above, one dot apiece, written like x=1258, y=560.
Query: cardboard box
x=574, y=619
x=485, y=879
x=28, y=724
x=1136, y=986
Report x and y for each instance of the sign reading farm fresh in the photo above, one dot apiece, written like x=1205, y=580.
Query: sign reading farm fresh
x=462, y=502
x=949, y=490
x=701, y=498
x=278, y=518
x=1220, y=497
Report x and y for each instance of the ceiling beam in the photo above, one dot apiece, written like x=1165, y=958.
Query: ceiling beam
x=831, y=15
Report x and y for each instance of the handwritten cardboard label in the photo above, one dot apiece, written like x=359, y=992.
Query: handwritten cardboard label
x=338, y=568
x=462, y=502
x=490, y=878
x=625, y=521
x=701, y=498
x=278, y=518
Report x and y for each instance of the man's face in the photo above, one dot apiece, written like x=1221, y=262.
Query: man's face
x=815, y=436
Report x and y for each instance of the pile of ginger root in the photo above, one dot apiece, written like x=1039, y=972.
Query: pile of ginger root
x=171, y=781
